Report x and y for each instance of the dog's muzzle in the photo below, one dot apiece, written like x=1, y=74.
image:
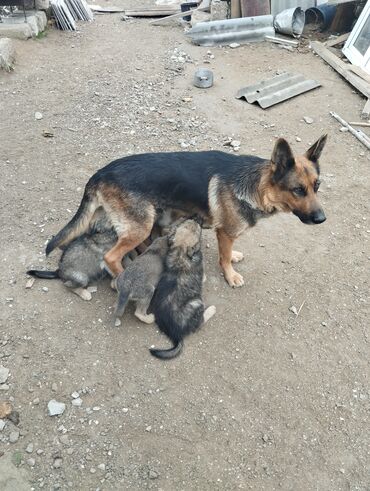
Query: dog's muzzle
x=313, y=218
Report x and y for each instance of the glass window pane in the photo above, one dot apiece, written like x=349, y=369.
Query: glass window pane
x=363, y=40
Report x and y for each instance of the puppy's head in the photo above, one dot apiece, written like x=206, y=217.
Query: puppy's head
x=185, y=236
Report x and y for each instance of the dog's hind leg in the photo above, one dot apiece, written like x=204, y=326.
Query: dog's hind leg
x=133, y=222
x=225, y=248
x=142, y=306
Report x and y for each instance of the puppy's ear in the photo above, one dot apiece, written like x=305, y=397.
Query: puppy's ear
x=282, y=159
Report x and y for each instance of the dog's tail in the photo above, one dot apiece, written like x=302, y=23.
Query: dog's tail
x=46, y=275
x=77, y=226
x=167, y=354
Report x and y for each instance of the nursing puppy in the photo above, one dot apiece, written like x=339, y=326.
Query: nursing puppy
x=177, y=303
x=139, y=280
x=81, y=262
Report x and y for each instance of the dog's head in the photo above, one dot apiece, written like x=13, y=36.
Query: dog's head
x=185, y=236
x=293, y=182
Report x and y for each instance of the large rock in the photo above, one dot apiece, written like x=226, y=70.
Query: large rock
x=218, y=10
x=15, y=31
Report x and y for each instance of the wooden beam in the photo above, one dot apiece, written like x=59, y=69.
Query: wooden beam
x=179, y=14
x=339, y=39
x=236, y=10
x=360, y=135
x=341, y=68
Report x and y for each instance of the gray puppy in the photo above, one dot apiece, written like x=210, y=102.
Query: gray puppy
x=139, y=280
x=80, y=263
x=177, y=302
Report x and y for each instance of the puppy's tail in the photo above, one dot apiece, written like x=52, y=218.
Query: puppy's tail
x=77, y=226
x=167, y=354
x=46, y=275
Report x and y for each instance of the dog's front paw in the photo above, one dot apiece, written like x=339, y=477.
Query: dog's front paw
x=234, y=279
x=236, y=256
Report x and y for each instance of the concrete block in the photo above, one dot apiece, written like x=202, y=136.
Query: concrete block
x=199, y=16
x=15, y=31
x=37, y=4
x=219, y=10
x=7, y=54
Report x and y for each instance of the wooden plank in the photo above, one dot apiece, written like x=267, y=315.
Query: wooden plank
x=251, y=8
x=236, y=10
x=341, y=68
x=337, y=40
x=366, y=110
x=360, y=72
x=179, y=14
x=360, y=135
x=150, y=12
x=358, y=123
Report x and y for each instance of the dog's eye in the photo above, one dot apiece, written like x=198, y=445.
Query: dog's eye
x=316, y=186
x=299, y=191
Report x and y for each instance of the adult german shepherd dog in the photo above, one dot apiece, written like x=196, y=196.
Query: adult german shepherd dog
x=229, y=192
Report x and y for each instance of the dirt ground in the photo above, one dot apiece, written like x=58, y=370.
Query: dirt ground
x=261, y=398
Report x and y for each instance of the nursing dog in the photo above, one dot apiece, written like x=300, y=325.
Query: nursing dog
x=177, y=303
x=230, y=193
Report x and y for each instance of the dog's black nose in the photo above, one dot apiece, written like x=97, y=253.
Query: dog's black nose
x=318, y=217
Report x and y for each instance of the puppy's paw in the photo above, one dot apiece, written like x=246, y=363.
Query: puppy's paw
x=117, y=322
x=236, y=256
x=147, y=318
x=209, y=312
x=234, y=279
x=83, y=293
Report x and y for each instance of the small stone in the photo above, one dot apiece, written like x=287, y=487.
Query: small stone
x=56, y=408
x=38, y=115
x=47, y=134
x=36, y=401
x=324, y=323
x=5, y=409
x=45, y=289
x=96, y=408
x=30, y=282
x=39, y=451
x=31, y=462
x=70, y=451
x=298, y=139
x=101, y=467
x=234, y=45
x=54, y=387
x=77, y=402
x=57, y=463
x=29, y=448
x=125, y=409
x=4, y=387
x=148, y=428
x=117, y=322
x=13, y=437
x=308, y=120
x=75, y=395
x=2, y=424
x=293, y=309
x=235, y=143
x=152, y=474
x=343, y=129
x=64, y=439
x=92, y=470
x=4, y=374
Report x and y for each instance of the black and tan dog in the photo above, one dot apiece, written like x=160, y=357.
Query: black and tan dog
x=230, y=193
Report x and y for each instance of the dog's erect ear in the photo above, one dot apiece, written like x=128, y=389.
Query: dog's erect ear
x=282, y=158
x=314, y=152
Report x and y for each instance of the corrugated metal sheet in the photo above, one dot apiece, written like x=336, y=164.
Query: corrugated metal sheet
x=277, y=89
x=243, y=30
x=280, y=5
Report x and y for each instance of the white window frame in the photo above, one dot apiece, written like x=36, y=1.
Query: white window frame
x=350, y=51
